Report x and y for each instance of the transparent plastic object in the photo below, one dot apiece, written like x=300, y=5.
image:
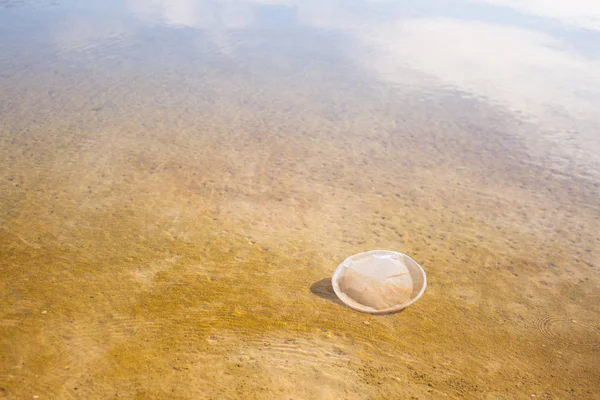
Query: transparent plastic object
x=379, y=281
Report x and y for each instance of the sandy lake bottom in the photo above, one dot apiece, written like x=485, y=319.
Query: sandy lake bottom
x=175, y=194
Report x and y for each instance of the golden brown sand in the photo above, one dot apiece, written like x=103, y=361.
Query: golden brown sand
x=160, y=239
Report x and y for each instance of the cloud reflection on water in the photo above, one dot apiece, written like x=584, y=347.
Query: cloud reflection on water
x=577, y=13
x=531, y=71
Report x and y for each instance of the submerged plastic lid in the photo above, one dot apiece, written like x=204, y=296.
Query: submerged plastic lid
x=379, y=281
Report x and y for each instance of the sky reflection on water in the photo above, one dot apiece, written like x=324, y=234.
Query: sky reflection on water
x=537, y=60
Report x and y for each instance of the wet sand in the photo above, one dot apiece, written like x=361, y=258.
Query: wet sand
x=169, y=237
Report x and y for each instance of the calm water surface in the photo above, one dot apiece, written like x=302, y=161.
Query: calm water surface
x=179, y=179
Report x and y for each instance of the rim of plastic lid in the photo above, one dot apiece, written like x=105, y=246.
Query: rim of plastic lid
x=366, y=309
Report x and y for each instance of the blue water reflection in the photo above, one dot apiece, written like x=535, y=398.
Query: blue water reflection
x=538, y=59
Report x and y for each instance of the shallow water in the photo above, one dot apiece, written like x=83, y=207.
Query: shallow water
x=179, y=179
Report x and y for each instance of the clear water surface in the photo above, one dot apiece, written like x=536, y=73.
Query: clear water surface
x=179, y=179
